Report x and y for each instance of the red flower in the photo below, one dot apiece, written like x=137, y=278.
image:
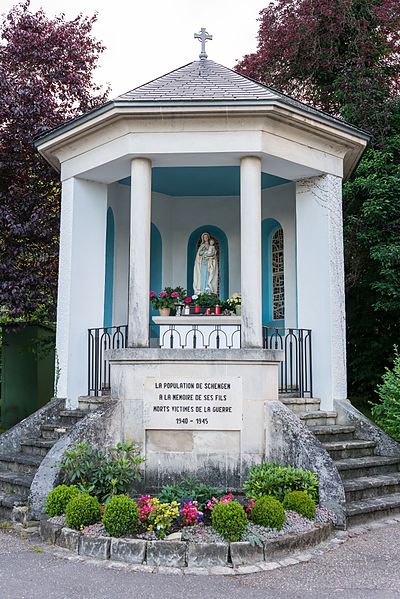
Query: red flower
x=188, y=300
x=174, y=294
x=163, y=294
x=152, y=294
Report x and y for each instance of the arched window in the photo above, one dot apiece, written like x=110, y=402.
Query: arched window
x=278, y=276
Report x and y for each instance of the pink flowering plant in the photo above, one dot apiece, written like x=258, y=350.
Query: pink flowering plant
x=213, y=502
x=189, y=512
x=167, y=298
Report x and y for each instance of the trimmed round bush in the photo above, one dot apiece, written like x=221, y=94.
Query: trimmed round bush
x=229, y=520
x=58, y=499
x=82, y=511
x=268, y=511
x=300, y=502
x=121, y=515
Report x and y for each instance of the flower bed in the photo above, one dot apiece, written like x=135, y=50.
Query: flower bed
x=189, y=523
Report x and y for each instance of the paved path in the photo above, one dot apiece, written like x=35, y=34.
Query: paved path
x=365, y=566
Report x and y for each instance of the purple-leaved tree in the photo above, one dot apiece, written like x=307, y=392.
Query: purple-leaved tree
x=46, y=78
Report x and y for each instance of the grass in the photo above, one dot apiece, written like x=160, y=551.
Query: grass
x=37, y=549
x=5, y=525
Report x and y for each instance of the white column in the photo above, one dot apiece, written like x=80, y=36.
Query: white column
x=250, y=251
x=320, y=282
x=81, y=282
x=139, y=266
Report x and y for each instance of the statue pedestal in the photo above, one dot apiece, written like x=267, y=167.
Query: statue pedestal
x=199, y=332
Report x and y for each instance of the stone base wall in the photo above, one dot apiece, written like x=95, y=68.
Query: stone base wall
x=221, y=457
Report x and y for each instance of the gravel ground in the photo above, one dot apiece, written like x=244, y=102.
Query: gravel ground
x=364, y=567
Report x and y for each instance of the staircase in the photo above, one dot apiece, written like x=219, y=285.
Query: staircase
x=371, y=482
x=18, y=469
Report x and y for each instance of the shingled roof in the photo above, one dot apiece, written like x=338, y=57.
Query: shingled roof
x=200, y=80
x=208, y=81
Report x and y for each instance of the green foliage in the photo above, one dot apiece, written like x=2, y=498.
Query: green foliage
x=268, y=511
x=300, y=502
x=189, y=489
x=121, y=516
x=229, y=520
x=372, y=261
x=103, y=474
x=162, y=516
x=58, y=499
x=207, y=300
x=387, y=413
x=277, y=480
x=82, y=510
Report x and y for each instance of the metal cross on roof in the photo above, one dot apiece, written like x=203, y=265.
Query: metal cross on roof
x=203, y=36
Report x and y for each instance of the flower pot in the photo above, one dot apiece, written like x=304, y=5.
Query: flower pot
x=197, y=310
x=165, y=311
x=238, y=310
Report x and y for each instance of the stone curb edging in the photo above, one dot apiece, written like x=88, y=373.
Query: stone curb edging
x=182, y=556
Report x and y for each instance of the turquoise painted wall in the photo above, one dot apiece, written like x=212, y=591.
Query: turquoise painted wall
x=155, y=270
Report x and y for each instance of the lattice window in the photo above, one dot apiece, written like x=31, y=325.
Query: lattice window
x=278, y=277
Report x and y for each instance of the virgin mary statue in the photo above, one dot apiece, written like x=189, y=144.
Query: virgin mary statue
x=205, y=272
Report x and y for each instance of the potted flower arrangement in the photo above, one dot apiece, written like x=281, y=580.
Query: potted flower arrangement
x=165, y=301
x=205, y=301
x=235, y=303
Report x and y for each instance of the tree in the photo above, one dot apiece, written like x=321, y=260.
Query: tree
x=46, y=78
x=342, y=56
x=339, y=55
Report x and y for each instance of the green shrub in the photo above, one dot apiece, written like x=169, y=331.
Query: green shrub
x=102, y=473
x=189, y=489
x=387, y=413
x=229, y=520
x=58, y=499
x=268, y=511
x=276, y=480
x=121, y=515
x=300, y=502
x=82, y=511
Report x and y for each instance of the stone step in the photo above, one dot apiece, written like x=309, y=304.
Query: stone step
x=11, y=482
x=318, y=418
x=335, y=432
x=69, y=417
x=366, y=487
x=89, y=403
x=368, y=466
x=53, y=431
x=341, y=450
x=20, y=463
x=7, y=503
x=36, y=446
x=299, y=405
x=365, y=510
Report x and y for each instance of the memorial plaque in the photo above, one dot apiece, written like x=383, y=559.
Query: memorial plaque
x=193, y=403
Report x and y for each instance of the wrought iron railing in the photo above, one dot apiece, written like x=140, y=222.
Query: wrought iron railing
x=100, y=340
x=295, y=372
x=183, y=336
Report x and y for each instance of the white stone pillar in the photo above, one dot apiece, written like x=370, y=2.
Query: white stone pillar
x=250, y=251
x=320, y=282
x=81, y=282
x=139, y=267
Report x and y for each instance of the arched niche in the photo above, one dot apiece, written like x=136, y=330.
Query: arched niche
x=220, y=236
